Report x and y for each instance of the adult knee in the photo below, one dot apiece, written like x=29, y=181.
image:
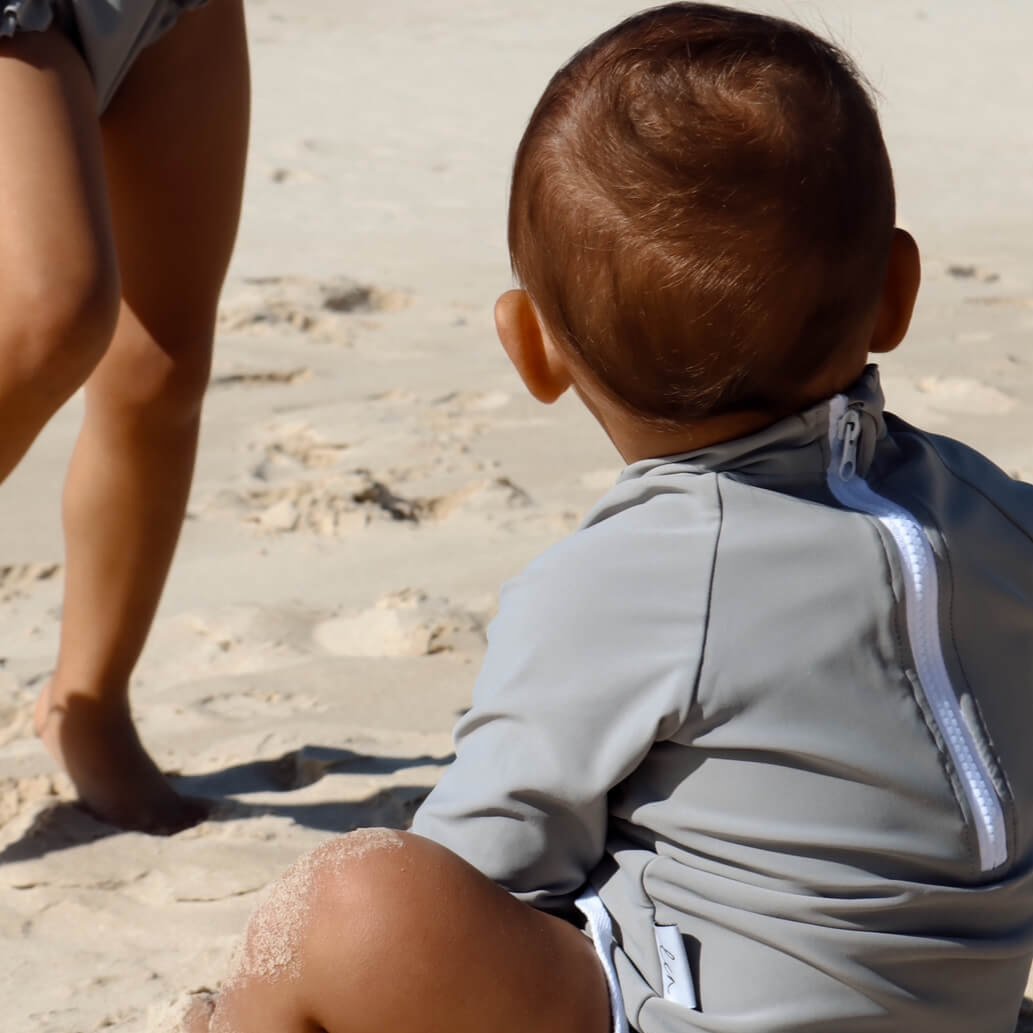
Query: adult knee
x=156, y=376
x=59, y=325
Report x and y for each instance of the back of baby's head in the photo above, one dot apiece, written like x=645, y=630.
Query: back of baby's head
x=702, y=209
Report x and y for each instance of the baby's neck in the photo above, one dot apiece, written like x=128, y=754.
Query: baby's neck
x=637, y=440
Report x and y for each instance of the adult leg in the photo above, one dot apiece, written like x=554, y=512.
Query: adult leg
x=58, y=273
x=175, y=139
x=384, y=931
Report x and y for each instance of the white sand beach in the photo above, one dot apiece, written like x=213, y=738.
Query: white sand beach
x=371, y=472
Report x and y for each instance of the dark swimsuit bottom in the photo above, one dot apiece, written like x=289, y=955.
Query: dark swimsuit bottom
x=110, y=34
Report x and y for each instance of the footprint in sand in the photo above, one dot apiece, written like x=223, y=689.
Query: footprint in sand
x=16, y=711
x=291, y=446
x=260, y=377
x=226, y=642
x=969, y=271
x=331, y=507
x=473, y=401
x=318, y=308
x=20, y=578
x=291, y=176
x=459, y=415
x=394, y=396
x=497, y=494
x=22, y=799
x=340, y=504
x=405, y=623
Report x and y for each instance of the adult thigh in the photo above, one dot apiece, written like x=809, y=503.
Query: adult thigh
x=58, y=272
x=175, y=141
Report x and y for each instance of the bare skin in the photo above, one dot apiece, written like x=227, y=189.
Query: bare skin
x=56, y=318
x=390, y=931
x=118, y=243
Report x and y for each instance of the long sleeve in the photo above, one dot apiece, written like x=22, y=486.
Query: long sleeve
x=592, y=659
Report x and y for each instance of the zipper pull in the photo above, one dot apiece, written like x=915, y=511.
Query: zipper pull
x=849, y=437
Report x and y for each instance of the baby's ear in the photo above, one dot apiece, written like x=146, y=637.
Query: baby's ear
x=527, y=343
x=899, y=293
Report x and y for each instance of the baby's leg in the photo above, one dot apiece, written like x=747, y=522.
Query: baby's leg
x=383, y=931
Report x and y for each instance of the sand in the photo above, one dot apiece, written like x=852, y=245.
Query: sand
x=371, y=471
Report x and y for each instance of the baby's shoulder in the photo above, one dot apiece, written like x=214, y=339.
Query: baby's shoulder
x=642, y=554
x=976, y=474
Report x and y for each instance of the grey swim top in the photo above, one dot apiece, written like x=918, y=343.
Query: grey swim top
x=109, y=33
x=772, y=707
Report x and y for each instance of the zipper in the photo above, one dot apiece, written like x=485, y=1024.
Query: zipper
x=921, y=592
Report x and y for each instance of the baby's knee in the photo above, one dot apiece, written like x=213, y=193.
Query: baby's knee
x=322, y=898
x=395, y=878
x=365, y=887
x=360, y=872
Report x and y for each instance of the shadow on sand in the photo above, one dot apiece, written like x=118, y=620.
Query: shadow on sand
x=66, y=824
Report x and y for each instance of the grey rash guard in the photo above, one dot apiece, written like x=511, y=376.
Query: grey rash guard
x=778, y=694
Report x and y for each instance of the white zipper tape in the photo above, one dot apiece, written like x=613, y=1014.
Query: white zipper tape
x=923, y=624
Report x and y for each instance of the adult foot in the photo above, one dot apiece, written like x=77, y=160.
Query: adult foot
x=113, y=774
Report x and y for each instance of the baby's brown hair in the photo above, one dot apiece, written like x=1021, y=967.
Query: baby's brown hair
x=701, y=210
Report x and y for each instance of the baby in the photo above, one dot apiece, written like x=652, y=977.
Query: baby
x=750, y=751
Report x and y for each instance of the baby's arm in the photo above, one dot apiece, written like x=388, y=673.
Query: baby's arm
x=589, y=663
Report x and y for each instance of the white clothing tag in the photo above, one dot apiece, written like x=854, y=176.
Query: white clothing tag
x=674, y=966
